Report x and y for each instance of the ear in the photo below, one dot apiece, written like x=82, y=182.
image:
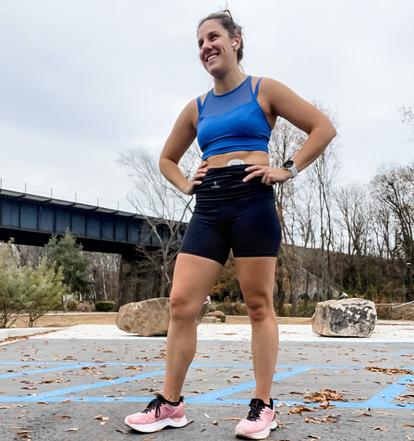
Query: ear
x=236, y=41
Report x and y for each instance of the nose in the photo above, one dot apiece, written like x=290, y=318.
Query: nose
x=205, y=46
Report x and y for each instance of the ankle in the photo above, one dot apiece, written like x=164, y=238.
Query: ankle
x=266, y=400
x=171, y=398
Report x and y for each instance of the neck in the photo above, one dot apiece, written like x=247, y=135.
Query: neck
x=228, y=82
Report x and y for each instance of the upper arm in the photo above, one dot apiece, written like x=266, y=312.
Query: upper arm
x=182, y=134
x=290, y=106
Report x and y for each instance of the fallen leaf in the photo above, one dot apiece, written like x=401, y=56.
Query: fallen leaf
x=324, y=396
x=54, y=380
x=365, y=414
x=299, y=409
x=405, y=397
x=327, y=419
x=101, y=418
x=389, y=371
x=72, y=429
x=24, y=434
x=326, y=406
x=121, y=431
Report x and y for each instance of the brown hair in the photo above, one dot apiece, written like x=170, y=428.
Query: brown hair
x=226, y=20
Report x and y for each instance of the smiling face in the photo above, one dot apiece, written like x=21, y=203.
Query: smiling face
x=217, y=50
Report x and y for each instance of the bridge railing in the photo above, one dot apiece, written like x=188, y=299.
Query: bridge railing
x=53, y=193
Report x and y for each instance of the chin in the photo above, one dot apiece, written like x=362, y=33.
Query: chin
x=215, y=71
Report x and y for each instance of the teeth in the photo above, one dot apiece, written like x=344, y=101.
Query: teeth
x=211, y=57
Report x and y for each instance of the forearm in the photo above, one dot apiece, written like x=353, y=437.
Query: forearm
x=172, y=173
x=314, y=146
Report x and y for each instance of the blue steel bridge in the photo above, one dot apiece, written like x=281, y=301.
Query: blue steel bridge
x=32, y=219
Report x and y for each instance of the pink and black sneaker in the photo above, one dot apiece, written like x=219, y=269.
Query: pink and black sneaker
x=259, y=421
x=158, y=414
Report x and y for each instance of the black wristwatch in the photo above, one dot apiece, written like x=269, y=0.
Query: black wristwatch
x=290, y=165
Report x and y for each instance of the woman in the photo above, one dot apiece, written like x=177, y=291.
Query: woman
x=235, y=209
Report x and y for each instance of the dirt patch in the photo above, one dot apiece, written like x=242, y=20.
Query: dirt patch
x=244, y=320
x=65, y=319
x=70, y=319
x=393, y=311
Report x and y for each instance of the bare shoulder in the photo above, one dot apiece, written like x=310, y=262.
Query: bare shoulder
x=272, y=87
x=190, y=113
x=286, y=103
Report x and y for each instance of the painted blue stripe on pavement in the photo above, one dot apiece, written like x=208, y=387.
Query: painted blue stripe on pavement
x=99, y=384
x=194, y=364
x=44, y=371
x=219, y=394
x=32, y=363
x=390, y=393
x=146, y=399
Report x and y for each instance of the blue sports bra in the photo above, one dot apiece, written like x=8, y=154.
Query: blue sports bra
x=232, y=121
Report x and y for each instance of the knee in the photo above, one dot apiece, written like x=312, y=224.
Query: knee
x=181, y=309
x=259, y=309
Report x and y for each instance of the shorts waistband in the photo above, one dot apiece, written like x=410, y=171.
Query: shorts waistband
x=226, y=183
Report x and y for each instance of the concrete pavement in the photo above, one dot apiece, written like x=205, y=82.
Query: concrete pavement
x=79, y=383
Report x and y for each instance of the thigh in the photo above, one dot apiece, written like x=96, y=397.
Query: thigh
x=193, y=279
x=256, y=230
x=256, y=276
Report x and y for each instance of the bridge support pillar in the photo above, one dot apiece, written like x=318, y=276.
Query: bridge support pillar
x=136, y=282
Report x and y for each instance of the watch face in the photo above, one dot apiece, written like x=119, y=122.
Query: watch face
x=289, y=163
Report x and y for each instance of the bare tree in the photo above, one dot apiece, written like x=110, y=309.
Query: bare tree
x=407, y=114
x=103, y=271
x=352, y=204
x=297, y=203
x=164, y=208
x=284, y=141
x=394, y=188
x=28, y=255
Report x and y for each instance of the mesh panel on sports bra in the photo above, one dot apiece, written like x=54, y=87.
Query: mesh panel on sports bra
x=215, y=105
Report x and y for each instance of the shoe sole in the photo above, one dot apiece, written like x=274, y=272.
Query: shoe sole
x=159, y=425
x=258, y=435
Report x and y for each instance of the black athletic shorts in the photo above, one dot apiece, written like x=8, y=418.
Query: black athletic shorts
x=232, y=214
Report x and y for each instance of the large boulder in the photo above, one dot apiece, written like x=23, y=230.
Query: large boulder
x=149, y=317
x=218, y=315
x=344, y=318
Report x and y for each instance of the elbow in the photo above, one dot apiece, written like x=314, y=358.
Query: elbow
x=330, y=133
x=163, y=163
x=333, y=132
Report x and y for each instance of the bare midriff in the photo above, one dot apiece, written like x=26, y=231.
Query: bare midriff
x=249, y=157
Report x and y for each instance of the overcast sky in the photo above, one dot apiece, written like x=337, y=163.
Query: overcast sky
x=82, y=80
